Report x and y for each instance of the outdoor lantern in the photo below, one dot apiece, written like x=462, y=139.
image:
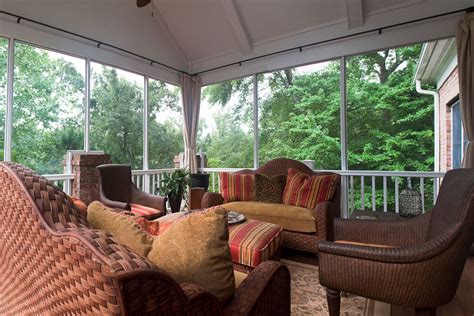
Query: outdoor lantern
x=410, y=202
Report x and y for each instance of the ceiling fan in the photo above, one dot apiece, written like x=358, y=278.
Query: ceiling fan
x=142, y=3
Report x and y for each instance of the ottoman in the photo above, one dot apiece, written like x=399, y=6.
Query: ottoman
x=253, y=242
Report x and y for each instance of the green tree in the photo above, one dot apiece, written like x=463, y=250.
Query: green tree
x=165, y=135
x=117, y=117
x=47, y=114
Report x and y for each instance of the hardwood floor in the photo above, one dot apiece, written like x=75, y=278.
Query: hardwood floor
x=462, y=304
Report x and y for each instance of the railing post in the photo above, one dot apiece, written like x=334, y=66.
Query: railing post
x=7, y=151
x=146, y=177
x=343, y=127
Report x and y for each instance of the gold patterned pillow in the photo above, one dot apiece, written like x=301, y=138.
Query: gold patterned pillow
x=269, y=189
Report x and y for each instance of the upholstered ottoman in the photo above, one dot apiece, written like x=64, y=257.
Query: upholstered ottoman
x=253, y=242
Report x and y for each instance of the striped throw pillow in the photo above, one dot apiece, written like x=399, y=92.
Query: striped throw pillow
x=307, y=191
x=236, y=187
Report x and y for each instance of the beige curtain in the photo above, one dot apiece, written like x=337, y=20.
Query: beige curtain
x=465, y=46
x=191, y=95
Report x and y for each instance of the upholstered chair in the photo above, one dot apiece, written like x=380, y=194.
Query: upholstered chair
x=411, y=262
x=118, y=191
x=52, y=262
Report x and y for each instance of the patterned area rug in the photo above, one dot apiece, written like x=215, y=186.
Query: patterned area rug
x=308, y=297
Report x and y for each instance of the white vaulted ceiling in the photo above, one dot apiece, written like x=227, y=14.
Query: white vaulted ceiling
x=195, y=35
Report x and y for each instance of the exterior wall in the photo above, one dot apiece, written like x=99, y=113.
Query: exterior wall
x=448, y=90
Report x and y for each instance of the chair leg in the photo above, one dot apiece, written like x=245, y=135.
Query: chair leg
x=334, y=301
x=425, y=311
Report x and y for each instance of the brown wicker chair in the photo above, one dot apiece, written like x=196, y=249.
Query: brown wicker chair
x=422, y=270
x=118, y=191
x=324, y=213
x=52, y=262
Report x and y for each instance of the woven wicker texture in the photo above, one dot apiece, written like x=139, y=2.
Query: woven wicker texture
x=52, y=262
x=424, y=270
x=324, y=213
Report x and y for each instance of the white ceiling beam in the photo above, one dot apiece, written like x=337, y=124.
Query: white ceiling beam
x=355, y=13
x=238, y=27
x=162, y=21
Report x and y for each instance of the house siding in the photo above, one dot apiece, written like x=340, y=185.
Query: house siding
x=448, y=90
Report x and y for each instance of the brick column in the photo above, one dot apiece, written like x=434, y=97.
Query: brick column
x=86, y=179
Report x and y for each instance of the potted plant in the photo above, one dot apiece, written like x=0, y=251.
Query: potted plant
x=175, y=187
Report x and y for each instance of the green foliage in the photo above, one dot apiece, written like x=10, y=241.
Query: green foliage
x=49, y=115
x=175, y=184
x=390, y=125
x=45, y=89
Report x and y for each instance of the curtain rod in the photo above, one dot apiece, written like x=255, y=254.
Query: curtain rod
x=99, y=43
x=300, y=48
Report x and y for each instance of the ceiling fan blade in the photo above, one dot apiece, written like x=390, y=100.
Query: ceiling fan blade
x=142, y=3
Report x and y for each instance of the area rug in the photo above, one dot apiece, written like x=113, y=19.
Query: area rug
x=308, y=297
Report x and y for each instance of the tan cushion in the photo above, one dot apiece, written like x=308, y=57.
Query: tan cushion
x=239, y=277
x=289, y=217
x=125, y=231
x=195, y=250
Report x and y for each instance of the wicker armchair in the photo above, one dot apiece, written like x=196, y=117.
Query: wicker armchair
x=118, y=191
x=324, y=213
x=52, y=262
x=423, y=268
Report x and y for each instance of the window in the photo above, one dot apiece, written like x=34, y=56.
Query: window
x=165, y=124
x=47, y=107
x=389, y=125
x=3, y=90
x=459, y=139
x=117, y=114
x=226, y=124
x=299, y=114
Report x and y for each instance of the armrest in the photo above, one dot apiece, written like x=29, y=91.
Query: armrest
x=407, y=254
x=211, y=199
x=114, y=204
x=324, y=214
x=265, y=291
x=403, y=232
x=150, y=200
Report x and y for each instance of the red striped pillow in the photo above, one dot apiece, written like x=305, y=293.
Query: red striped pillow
x=307, y=191
x=236, y=186
x=145, y=211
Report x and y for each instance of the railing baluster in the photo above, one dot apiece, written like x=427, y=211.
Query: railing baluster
x=397, y=199
x=435, y=189
x=362, y=193
x=374, y=206
x=213, y=182
x=385, y=194
x=351, y=181
x=422, y=192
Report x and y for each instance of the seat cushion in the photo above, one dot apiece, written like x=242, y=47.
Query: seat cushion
x=253, y=242
x=289, y=217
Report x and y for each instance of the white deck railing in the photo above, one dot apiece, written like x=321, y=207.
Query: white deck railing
x=63, y=181
x=380, y=190
x=149, y=180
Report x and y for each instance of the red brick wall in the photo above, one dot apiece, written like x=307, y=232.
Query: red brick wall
x=447, y=92
x=86, y=180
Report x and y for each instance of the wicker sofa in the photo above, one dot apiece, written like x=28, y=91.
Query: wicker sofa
x=302, y=227
x=53, y=262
